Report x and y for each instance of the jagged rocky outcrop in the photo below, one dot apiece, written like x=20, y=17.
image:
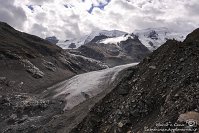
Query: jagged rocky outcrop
x=52, y=39
x=161, y=94
x=98, y=38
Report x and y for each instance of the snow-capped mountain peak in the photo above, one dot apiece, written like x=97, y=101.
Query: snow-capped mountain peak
x=77, y=42
x=152, y=38
x=73, y=43
x=148, y=30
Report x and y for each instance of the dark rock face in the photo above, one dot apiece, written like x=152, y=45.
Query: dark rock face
x=163, y=89
x=135, y=49
x=91, y=52
x=129, y=51
x=193, y=37
x=98, y=38
x=72, y=45
x=153, y=35
x=52, y=39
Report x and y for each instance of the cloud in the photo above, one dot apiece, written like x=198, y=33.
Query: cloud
x=39, y=2
x=38, y=29
x=71, y=19
x=192, y=7
x=12, y=14
x=125, y=5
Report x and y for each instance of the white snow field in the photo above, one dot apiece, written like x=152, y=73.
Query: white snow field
x=116, y=40
x=81, y=87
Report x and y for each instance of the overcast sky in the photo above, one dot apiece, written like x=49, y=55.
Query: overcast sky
x=74, y=18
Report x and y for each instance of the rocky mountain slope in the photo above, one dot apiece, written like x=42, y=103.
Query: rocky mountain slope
x=28, y=65
x=128, y=50
x=160, y=95
x=35, y=62
x=52, y=39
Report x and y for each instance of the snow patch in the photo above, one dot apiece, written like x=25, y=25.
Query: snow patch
x=112, y=33
x=116, y=40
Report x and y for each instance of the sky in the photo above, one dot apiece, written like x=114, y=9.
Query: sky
x=68, y=19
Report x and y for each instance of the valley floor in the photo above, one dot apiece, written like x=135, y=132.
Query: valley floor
x=61, y=107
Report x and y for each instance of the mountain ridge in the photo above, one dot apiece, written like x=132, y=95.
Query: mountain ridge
x=160, y=35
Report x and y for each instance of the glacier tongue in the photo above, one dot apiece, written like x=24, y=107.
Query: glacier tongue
x=77, y=89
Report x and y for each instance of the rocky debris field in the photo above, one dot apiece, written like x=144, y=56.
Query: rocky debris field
x=161, y=95
x=26, y=113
